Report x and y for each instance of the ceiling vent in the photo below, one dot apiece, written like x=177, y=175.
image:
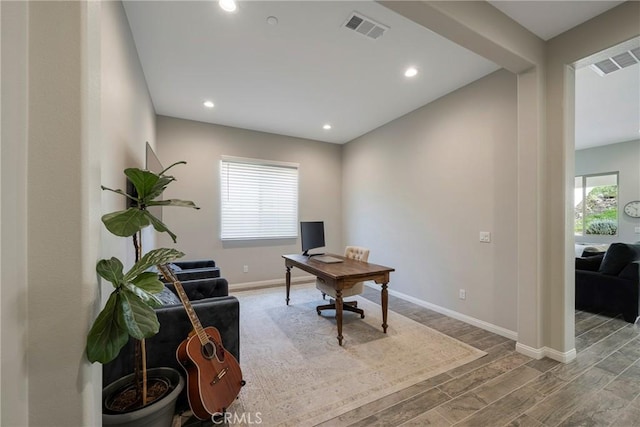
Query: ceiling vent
x=365, y=26
x=617, y=62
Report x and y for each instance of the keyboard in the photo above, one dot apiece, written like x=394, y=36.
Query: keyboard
x=326, y=259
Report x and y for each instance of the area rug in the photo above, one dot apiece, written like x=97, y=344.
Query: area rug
x=297, y=374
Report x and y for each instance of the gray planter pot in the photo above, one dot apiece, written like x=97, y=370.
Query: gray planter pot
x=157, y=414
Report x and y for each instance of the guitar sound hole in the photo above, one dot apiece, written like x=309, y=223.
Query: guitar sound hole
x=209, y=350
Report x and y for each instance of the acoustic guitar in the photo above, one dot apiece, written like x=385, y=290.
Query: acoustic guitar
x=214, y=377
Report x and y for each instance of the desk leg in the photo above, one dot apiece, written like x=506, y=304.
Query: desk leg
x=339, y=314
x=384, y=296
x=288, y=282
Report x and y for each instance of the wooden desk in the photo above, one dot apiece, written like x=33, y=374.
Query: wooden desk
x=342, y=275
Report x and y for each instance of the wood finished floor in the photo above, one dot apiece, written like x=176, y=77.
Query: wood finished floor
x=505, y=388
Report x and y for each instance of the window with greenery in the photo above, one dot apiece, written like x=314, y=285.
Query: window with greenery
x=596, y=204
x=258, y=199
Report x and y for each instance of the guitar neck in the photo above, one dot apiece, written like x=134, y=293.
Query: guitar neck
x=195, y=322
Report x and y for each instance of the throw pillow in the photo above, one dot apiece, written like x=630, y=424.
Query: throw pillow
x=618, y=256
x=590, y=263
x=174, y=267
x=167, y=297
x=592, y=251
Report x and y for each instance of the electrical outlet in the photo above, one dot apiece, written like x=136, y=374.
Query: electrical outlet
x=485, y=236
x=637, y=229
x=245, y=269
x=462, y=294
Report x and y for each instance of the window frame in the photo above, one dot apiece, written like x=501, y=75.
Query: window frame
x=584, y=178
x=260, y=231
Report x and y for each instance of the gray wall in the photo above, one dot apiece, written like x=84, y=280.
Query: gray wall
x=201, y=145
x=13, y=225
x=55, y=111
x=624, y=158
x=418, y=191
x=80, y=114
x=128, y=122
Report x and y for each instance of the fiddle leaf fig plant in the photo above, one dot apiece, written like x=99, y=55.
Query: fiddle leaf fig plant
x=129, y=311
x=149, y=186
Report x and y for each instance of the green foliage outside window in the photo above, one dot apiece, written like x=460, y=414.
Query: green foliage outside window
x=597, y=214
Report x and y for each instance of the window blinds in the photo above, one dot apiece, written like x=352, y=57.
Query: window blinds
x=259, y=199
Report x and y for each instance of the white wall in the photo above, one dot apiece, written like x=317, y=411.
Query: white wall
x=201, y=145
x=80, y=113
x=418, y=191
x=624, y=158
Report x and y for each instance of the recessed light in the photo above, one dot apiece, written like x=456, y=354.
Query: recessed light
x=410, y=72
x=208, y=104
x=326, y=127
x=228, y=5
x=272, y=20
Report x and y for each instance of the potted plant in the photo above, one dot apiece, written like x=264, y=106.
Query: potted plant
x=129, y=310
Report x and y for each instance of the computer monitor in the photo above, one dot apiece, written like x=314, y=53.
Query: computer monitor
x=312, y=236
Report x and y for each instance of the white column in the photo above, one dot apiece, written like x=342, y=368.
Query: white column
x=63, y=195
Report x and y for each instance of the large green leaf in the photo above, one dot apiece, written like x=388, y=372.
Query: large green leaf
x=143, y=180
x=145, y=285
x=160, y=226
x=125, y=223
x=149, y=282
x=151, y=258
x=108, y=334
x=111, y=270
x=159, y=187
x=174, y=202
x=146, y=297
x=139, y=319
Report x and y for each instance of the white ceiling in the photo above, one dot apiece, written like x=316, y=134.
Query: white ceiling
x=547, y=19
x=607, y=107
x=307, y=70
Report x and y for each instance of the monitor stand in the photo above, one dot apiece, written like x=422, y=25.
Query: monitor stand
x=307, y=254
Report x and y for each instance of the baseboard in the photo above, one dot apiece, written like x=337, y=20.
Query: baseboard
x=565, y=357
x=534, y=353
x=539, y=353
x=269, y=283
x=454, y=314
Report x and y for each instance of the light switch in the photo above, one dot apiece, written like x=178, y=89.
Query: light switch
x=485, y=236
x=637, y=229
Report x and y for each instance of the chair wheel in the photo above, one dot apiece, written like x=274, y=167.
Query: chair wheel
x=318, y=312
x=362, y=316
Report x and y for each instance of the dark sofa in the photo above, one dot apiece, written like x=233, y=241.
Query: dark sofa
x=610, y=282
x=193, y=270
x=210, y=300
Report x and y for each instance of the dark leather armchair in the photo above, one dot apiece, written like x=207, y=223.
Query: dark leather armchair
x=212, y=305
x=610, y=282
x=197, y=269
